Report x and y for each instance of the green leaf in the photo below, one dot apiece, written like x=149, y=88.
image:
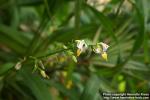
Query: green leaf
x=91, y=90
x=69, y=93
x=6, y=67
x=140, y=35
x=105, y=22
x=36, y=85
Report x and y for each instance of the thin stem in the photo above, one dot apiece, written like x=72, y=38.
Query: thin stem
x=47, y=7
x=119, y=7
x=97, y=34
x=77, y=15
x=52, y=53
x=37, y=36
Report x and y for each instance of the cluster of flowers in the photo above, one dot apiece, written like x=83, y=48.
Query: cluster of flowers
x=99, y=48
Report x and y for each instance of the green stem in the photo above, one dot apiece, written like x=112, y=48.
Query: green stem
x=52, y=53
x=47, y=7
x=77, y=15
x=119, y=7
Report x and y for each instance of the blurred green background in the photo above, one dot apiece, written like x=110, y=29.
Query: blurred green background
x=30, y=29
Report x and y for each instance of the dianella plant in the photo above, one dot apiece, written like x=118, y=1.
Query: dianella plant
x=73, y=49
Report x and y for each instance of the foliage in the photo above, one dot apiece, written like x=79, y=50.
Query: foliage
x=38, y=51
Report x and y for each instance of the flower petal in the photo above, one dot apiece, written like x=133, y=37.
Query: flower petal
x=82, y=46
x=104, y=46
x=104, y=55
x=78, y=52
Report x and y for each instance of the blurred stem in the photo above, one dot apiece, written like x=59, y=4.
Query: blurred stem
x=65, y=22
x=14, y=9
x=44, y=21
x=146, y=13
x=97, y=34
x=48, y=11
x=146, y=50
x=119, y=7
x=77, y=15
x=52, y=53
x=37, y=36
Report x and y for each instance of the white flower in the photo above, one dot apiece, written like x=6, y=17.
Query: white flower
x=101, y=49
x=82, y=46
x=18, y=65
x=104, y=46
